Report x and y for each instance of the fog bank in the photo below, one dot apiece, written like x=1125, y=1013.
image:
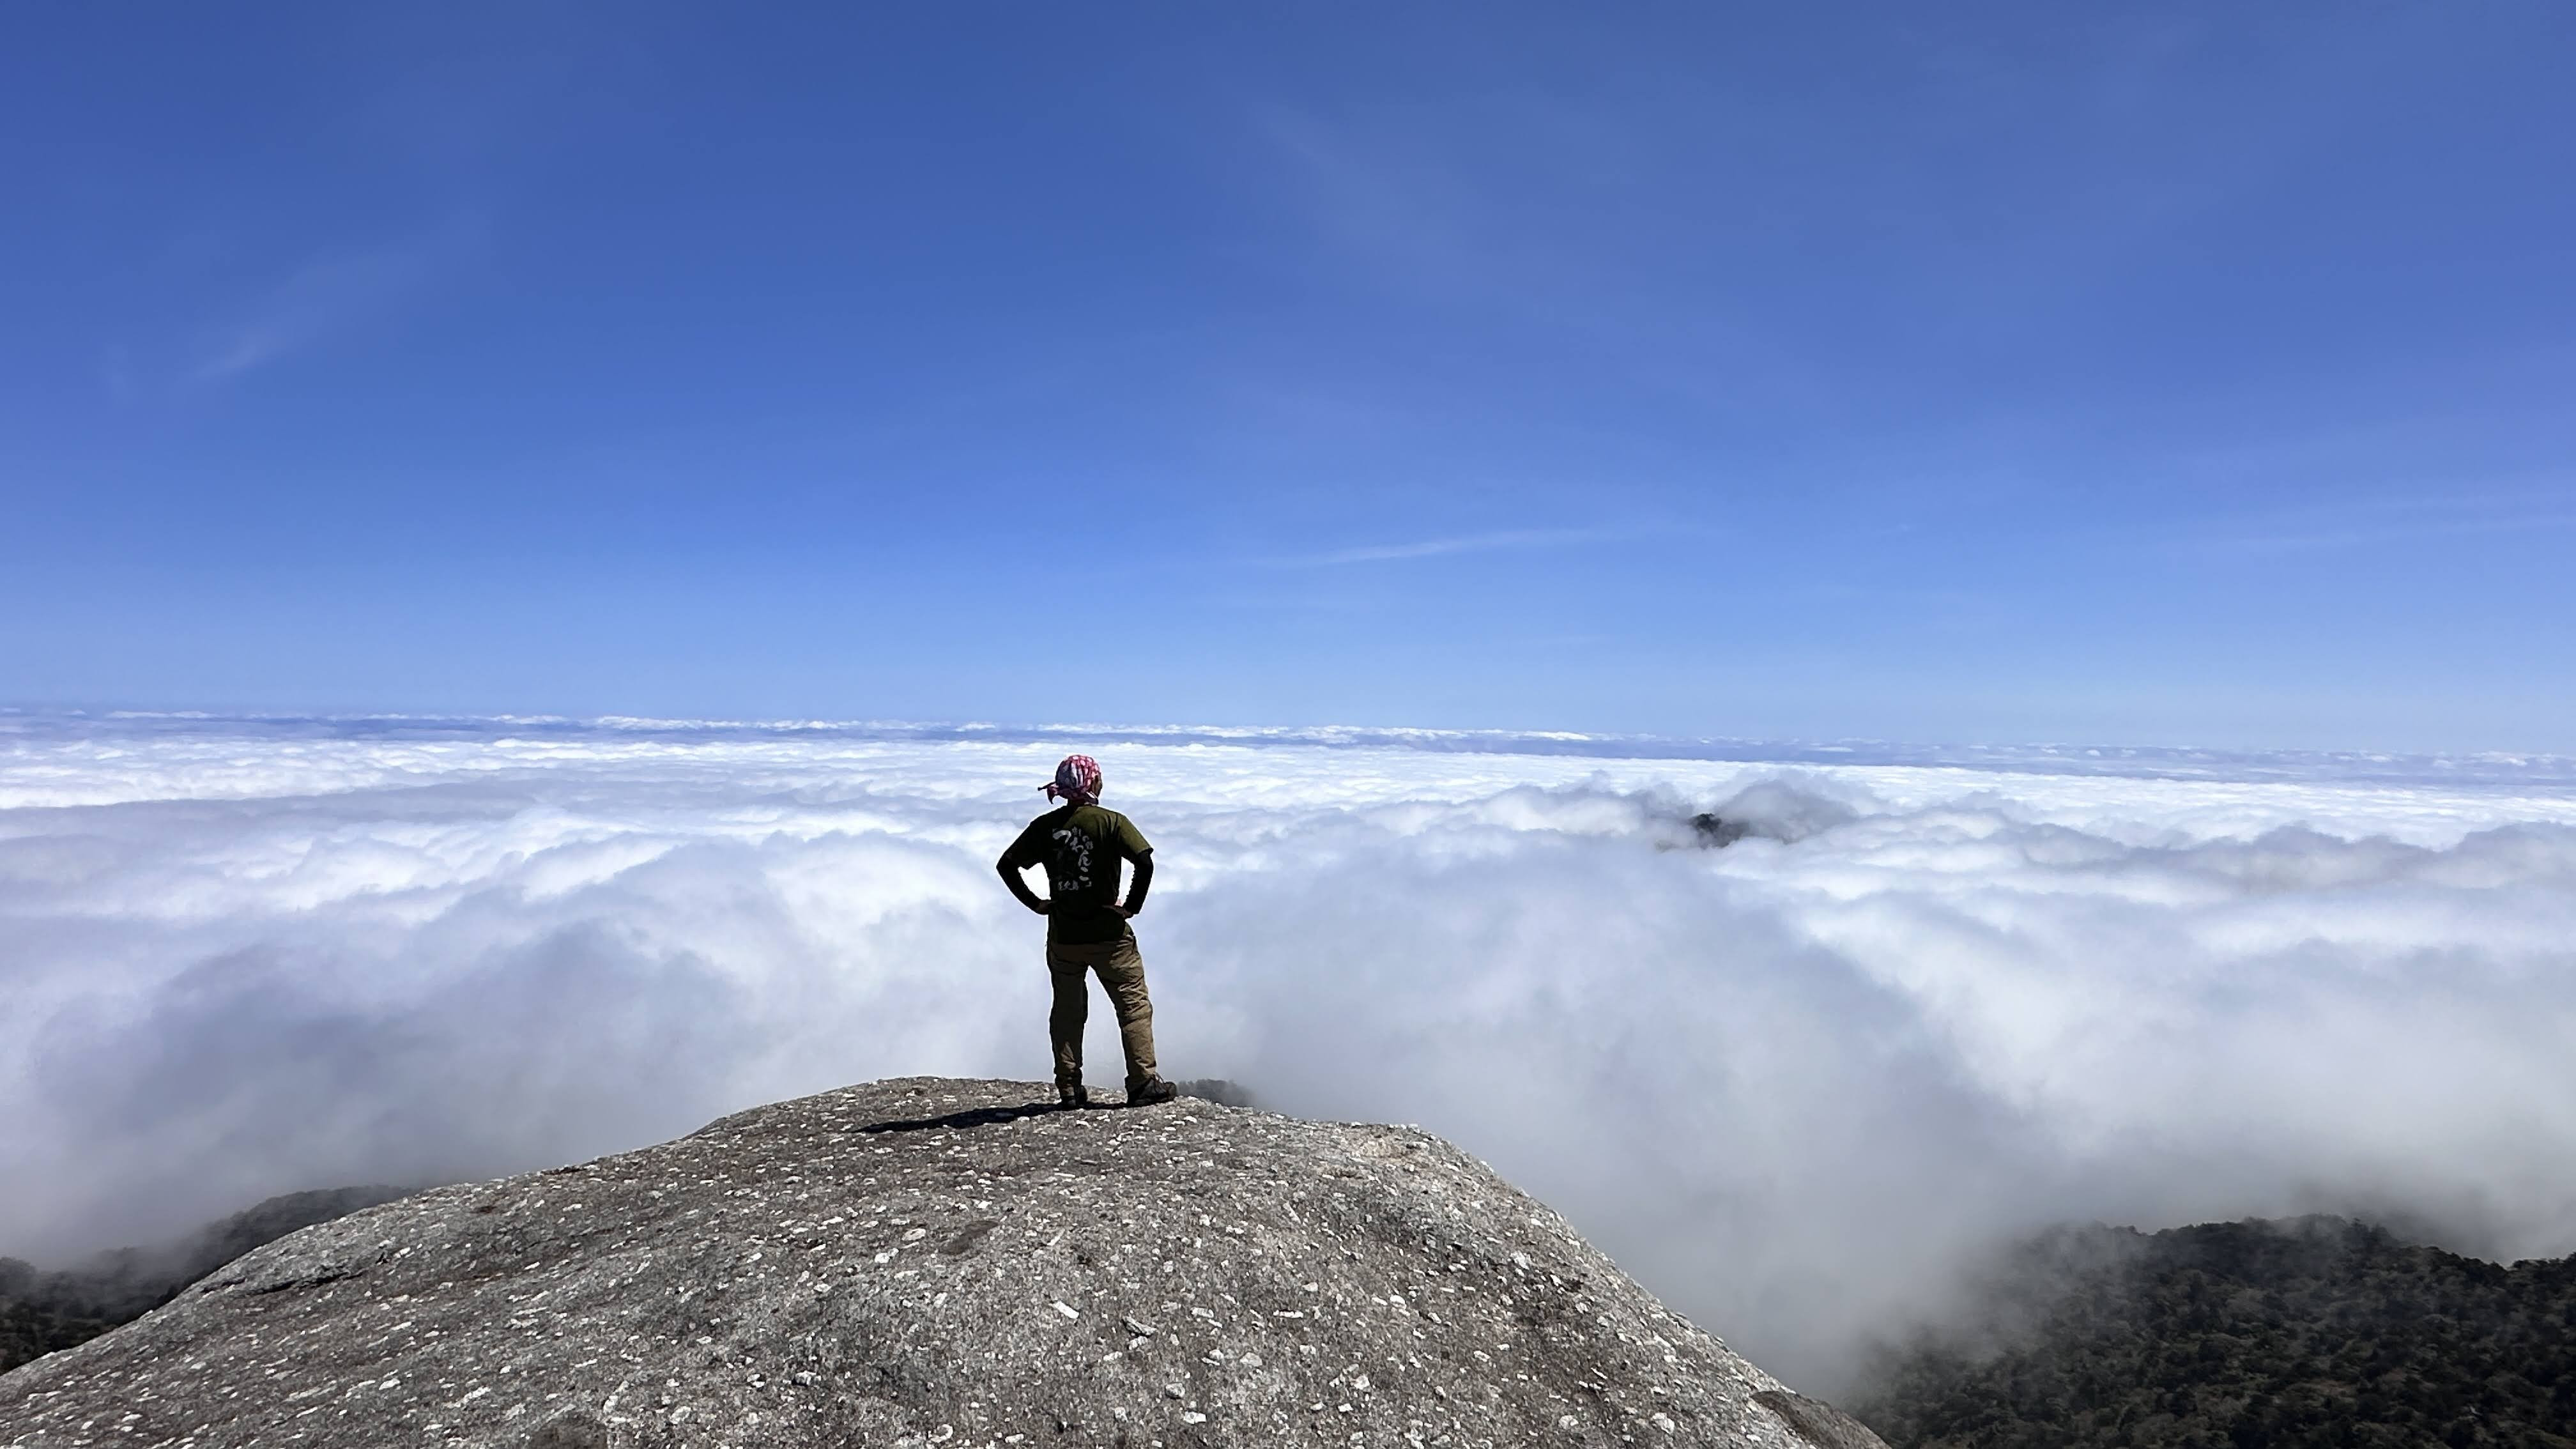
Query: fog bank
x=1789, y=1083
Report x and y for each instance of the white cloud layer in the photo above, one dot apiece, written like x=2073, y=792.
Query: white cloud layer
x=1790, y=1083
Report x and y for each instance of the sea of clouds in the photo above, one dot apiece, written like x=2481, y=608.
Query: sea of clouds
x=1793, y=1084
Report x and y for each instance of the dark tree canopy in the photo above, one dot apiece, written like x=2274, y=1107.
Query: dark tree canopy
x=2295, y=1335
x=42, y=1312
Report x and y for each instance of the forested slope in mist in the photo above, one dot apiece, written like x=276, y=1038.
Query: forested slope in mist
x=41, y=1312
x=2314, y=1332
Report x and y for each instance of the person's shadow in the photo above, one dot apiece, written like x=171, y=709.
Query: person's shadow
x=960, y=1121
x=1206, y=1089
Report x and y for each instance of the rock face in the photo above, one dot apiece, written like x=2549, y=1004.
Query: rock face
x=923, y=1262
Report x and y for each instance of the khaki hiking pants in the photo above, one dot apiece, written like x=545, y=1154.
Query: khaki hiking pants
x=1122, y=975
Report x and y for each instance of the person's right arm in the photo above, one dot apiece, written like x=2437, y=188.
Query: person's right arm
x=1140, y=854
x=1137, y=887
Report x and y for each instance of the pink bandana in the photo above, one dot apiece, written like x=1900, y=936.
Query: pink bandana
x=1077, y=780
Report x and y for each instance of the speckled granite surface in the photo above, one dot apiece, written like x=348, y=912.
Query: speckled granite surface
x=927, y=1261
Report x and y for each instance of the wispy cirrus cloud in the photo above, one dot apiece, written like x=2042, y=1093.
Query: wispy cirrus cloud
x=1516, y=538
x=323, y=298
x=2378, y=522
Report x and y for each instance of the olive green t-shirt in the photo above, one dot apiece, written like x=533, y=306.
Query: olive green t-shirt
x=1080, y=846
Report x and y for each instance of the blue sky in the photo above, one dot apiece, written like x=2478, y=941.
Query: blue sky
x=2000, y=372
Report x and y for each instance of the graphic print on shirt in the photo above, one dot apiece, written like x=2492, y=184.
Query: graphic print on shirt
x=1072, y=860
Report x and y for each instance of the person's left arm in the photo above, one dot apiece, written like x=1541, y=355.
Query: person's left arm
x=1019, y=885
x=1022, y=855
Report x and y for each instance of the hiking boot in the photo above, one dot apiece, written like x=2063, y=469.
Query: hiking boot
x=1147, y=1093
x=1070, y=1095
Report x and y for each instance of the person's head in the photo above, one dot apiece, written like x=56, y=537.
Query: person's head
x=1077, y=780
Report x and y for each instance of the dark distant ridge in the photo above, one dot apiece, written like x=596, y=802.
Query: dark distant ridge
x=2131, y=761
x=44, y=1311
x=2315, y=1332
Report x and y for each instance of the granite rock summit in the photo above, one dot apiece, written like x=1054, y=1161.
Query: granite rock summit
x=931, y=1262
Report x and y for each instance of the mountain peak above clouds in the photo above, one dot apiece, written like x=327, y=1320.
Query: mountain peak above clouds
x=927, y=1261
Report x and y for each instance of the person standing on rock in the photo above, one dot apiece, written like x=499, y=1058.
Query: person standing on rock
x=1080, y=844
